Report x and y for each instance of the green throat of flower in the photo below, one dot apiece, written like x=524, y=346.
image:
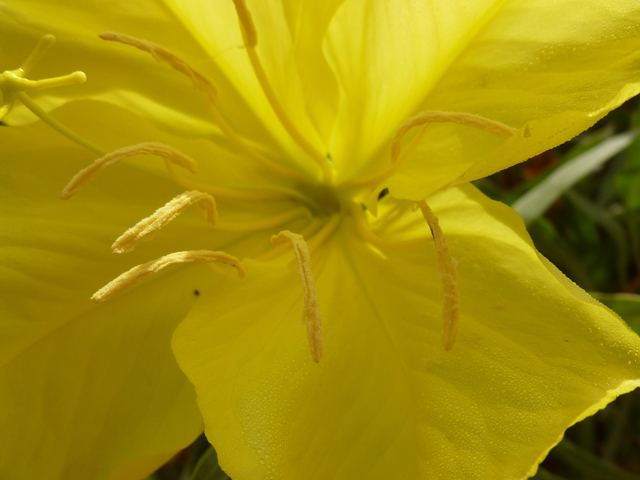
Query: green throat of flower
x=318, y=197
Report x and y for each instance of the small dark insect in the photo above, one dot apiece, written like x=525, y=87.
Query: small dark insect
x=196, y=293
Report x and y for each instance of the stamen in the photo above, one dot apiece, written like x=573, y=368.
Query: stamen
x=209, y=93
x=251, y=41
x=311, y=313
x=139, y=273
x=492, y=127
x=277, y=251
x=169, y=153
x=148, y=226
x=448, y=277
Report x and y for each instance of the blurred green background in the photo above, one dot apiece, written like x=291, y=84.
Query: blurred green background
x=581, y=203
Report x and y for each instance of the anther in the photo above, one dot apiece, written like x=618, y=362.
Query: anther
x=201, y=82
x=151, y=148
x=148, y=226
x=490, y=126
x=209, y=93
x=139, y=273
x=246, y=23
x=448, y=277
x=311, y=313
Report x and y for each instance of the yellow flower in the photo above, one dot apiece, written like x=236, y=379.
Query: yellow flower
x=303, y=112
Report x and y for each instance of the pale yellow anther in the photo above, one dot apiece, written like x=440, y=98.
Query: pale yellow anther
x=311, y=313
x=398, y=158
x=209, y=93
x=246, y=22
x=150, y=148
x=145, y=228
x=448, y=277
x=201, y=82
x=139, y=273
x=490, y=126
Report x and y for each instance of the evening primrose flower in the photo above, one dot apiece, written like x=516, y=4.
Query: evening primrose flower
x=331, y=329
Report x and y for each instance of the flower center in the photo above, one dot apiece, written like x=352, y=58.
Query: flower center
x=317, y=198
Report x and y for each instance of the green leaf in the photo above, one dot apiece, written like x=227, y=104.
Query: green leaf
x=207, y=467
x=535, y=202
x=586, y=462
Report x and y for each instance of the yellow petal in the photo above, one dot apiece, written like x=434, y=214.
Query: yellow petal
x=534, y=355
x=83, y=387
x=386, y=57
x=550, y=69
x=122, y=76
x=289, y=44
x=92, y=392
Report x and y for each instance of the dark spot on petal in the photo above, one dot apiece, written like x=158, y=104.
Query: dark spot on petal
x=196, y=292
x=383, y=194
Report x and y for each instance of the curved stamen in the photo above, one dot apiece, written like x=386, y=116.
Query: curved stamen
x=148, y=226
x=209, y=93
x=492, y=127
x=251, y=41
x=448, y=277
x=152, y=148
x=311, y=313
x=139, y=273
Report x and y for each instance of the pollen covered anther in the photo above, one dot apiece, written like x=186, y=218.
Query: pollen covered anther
x=476, y=121
x=311, y=314
x=201, y=82
x=139, y=273
x=148, y=226
x=448, y=277
x=151, y=148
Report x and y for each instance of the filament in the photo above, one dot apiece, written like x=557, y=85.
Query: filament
x=251, y=40
x=492, y=127
x=139, y=273
x=165, y=151
x=448, y=277
x=161, y=217
x=311, y=313
x=209, y=93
